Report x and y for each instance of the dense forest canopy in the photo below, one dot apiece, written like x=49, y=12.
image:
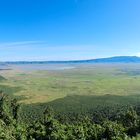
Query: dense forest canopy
x=123, y=126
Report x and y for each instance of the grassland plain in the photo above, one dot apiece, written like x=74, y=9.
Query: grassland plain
x=40, y=86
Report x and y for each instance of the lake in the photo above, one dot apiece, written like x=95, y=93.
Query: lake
x=35, y=67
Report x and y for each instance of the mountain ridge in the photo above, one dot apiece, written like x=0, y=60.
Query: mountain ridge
x=115, y=59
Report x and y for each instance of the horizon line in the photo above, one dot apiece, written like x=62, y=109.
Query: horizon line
x=8, y=61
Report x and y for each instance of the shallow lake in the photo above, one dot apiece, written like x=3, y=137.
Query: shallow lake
x=34, y=67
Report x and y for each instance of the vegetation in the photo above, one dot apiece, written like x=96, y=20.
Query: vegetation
x=126, y=126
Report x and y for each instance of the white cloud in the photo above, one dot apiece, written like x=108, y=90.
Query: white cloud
x=21, y=43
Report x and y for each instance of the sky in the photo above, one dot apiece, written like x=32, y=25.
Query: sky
x=68, y=29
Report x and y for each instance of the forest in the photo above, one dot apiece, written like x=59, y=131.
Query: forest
x=124, y=125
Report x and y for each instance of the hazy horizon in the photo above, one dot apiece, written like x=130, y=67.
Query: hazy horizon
x=67, y=60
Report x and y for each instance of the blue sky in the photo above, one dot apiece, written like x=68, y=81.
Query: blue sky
x=68, y=29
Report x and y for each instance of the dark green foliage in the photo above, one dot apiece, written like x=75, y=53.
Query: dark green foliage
x=15, y=108
x=113, y=131
x=123, y=126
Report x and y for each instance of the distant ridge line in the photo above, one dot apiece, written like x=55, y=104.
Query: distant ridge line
x=115, y=59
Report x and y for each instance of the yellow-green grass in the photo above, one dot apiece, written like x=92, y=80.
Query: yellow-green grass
x=86, y=79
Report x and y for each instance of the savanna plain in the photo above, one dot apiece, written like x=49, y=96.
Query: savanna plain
x=73, y=86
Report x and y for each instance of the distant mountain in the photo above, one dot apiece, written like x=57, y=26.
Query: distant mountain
x=116, y=59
